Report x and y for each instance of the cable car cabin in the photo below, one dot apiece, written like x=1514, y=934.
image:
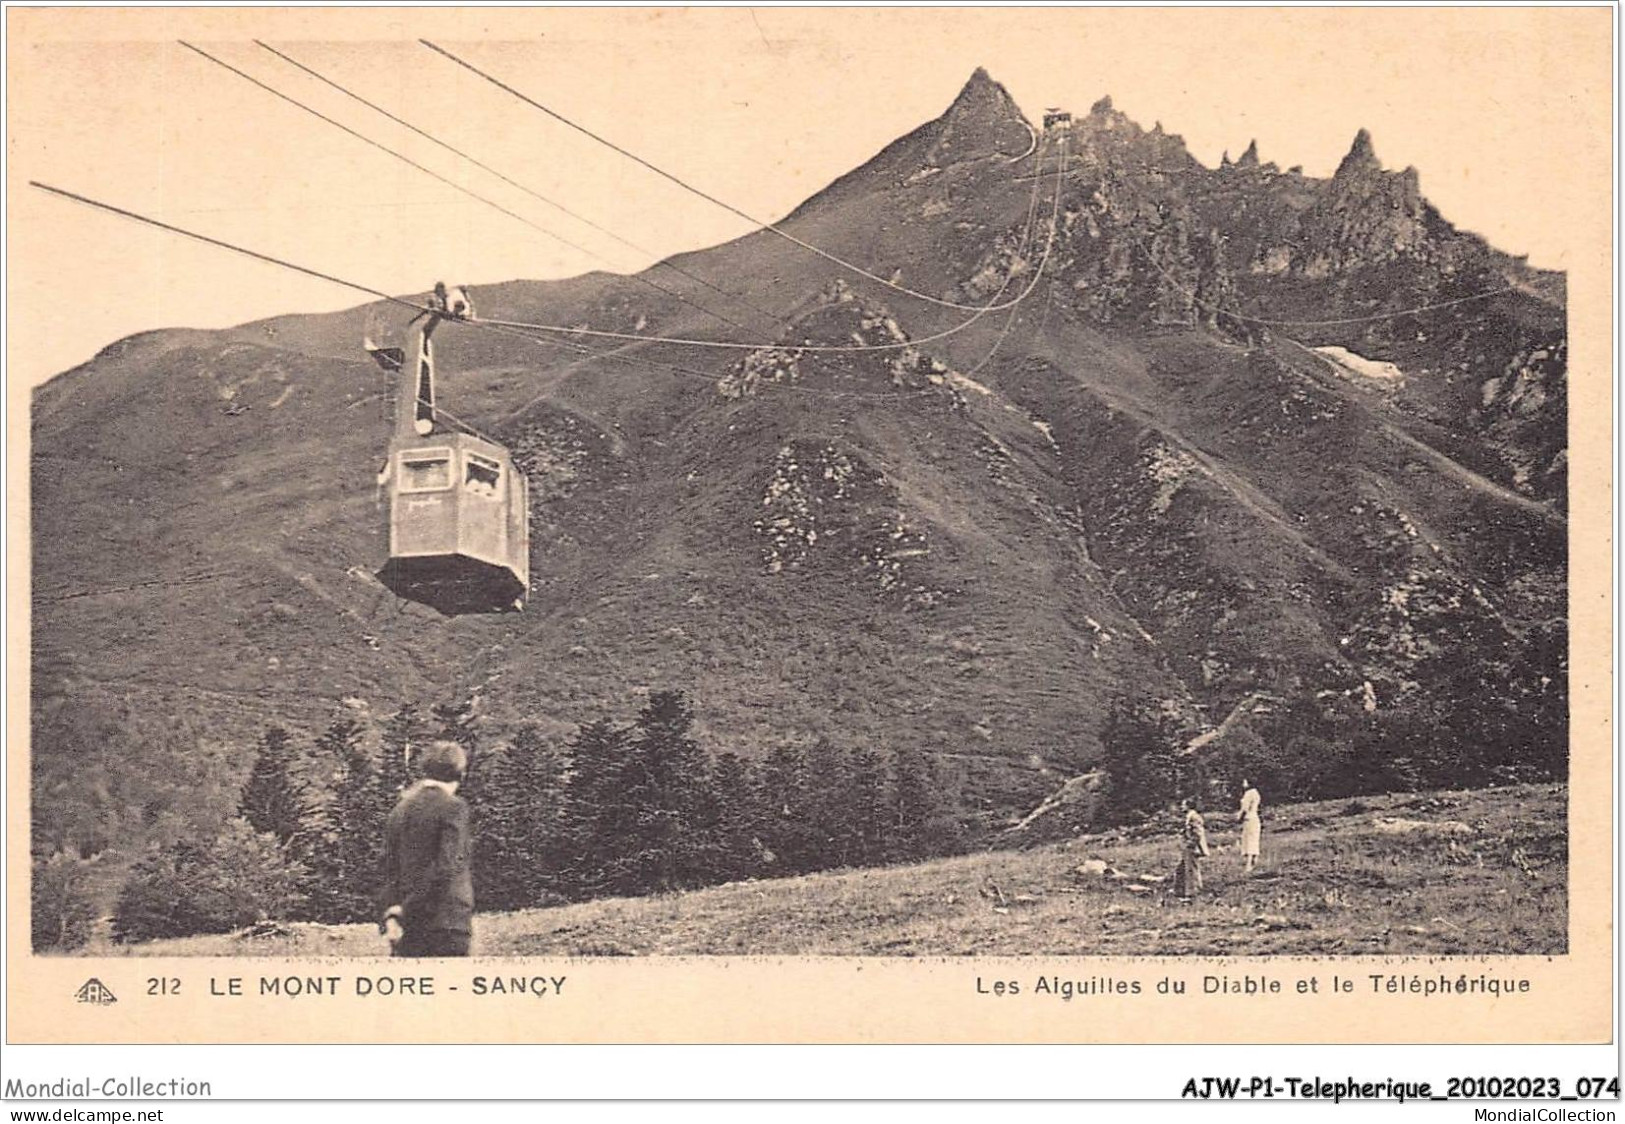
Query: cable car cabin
x=458, y=535
x=459, y=530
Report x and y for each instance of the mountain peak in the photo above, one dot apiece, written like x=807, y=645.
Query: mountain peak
x=1249, y=159
x=979, y=77
x=983, y=118
x=981, y=90
x=1361, y=157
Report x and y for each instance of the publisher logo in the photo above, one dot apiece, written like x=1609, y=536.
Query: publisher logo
x=94, y=991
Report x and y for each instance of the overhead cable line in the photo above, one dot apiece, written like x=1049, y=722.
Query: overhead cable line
x=781, y=388
x=447, y=180
x=711, y=379
x=267, y=258
x=510, y=181
x=519, y=329
x=586, y=353
x=732, y=345
x=256, y=255
x=1026, y=247
x=1368, y=319
x=685, y=185
x=735, y=345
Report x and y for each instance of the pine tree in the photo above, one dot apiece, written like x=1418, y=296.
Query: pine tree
x=945, y=829
x=832, y=835
x=61, y=910
x=667, y=785
x=913, y=806
x=786, y=810
x=502, y=875
x=595, y=815
x=403, y=740
x=700, y=861
x=343, y=850
x=274, y=800
x=519, y=846
x=738, y=820
x=864, y=795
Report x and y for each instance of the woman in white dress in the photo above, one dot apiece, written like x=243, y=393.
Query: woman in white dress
x=1251, y=829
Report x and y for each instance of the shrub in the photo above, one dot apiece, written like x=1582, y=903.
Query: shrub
x=239, y=878
x=61, y=909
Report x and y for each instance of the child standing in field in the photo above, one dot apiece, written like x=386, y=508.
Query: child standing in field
x=1193, y=837
x=1251, y=829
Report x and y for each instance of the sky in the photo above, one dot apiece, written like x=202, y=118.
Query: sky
x=760, y=106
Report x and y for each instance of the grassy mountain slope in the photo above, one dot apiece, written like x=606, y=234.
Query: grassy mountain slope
x=1450, y=873
x=971, y=546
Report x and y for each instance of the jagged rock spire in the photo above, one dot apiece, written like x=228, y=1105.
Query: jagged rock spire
x=980, y=79
x=981, y=92
x=983, y=118
x=1361, y=157
x=1249, y=159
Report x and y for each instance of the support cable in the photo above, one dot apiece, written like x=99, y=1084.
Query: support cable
x=500, y=327
x=686, y=186
x=732, y=345
x=447, y=180
x=510, y=181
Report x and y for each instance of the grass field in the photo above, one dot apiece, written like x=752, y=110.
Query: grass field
x=1439, y=873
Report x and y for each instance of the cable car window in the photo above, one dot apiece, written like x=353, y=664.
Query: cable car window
x=425, y=470
x=482, y=475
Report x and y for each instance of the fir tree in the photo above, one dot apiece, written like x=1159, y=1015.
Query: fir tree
x=519, y=849
x=786, y=810
x=738, y=820
x=831, y=831
x=403, y=740
x=274, y=800
x=913, y=806
x=865, y=797
x=666, y=784
x=343, y=851
x=595, y=815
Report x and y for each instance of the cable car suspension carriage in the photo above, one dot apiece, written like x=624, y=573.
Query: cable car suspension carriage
x=458, y=510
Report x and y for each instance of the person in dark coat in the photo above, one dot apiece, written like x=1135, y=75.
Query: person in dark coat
x=428, y=891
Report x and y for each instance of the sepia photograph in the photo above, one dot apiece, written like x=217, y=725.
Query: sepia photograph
x=840, y=485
